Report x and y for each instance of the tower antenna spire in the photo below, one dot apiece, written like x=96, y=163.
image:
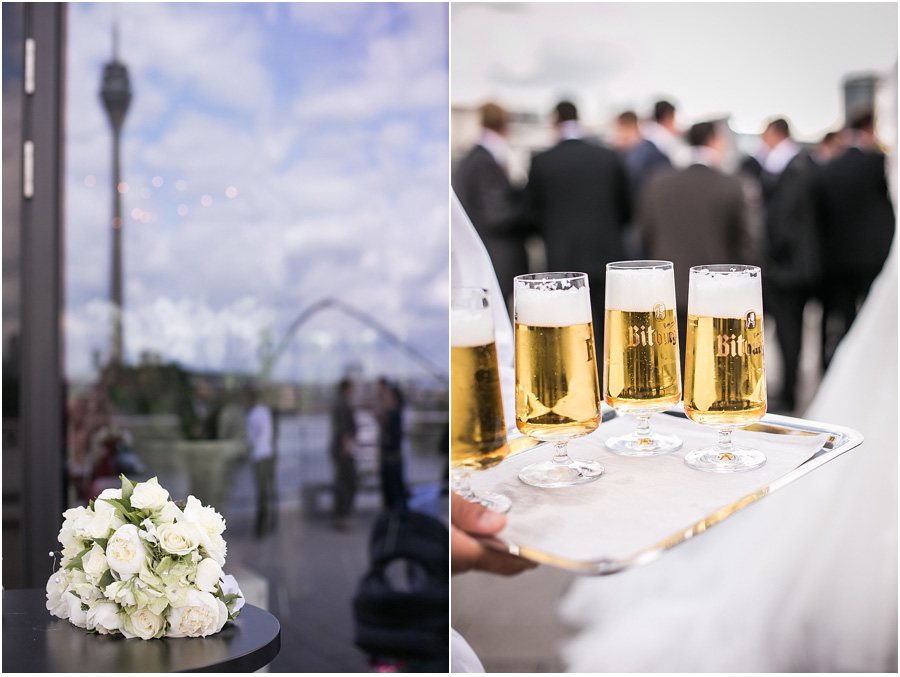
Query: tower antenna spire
x=115, y=38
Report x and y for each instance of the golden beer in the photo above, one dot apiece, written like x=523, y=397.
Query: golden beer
x=642, y=371
x=724, y=381
x=557, y=393
x=477, y=431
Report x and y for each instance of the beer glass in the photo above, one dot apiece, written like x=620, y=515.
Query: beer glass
x=641, y=364
x=725, y=378
x=557, y=391
x=477, y=427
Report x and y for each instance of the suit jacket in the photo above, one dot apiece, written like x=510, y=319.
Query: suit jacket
x=692, y=217
x=495, y=209
x=642, y=161
x=578, y=197
x=858, y=218
x=793, y=249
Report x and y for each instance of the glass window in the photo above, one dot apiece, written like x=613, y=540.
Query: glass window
x=257, y=206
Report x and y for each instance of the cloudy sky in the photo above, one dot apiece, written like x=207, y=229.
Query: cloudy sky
x=274, y=155
x=750, y=60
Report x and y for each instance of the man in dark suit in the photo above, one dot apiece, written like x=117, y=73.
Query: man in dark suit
x=858, y=223
x=694, y=216
x=483, y=187
x=642, y=159
x=792, y=259
x=578, y=197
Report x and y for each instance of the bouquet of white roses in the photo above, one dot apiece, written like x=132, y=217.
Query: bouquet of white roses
x=135, y=562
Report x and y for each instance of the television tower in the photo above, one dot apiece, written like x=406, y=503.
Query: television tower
x=116, y=95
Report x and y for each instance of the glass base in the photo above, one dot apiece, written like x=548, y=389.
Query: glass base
x=489, y=499
x=712, y=459
x=652, y=444
x=549, y=474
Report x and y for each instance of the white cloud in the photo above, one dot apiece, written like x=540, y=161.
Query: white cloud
x=339, y=19
x=340, y=169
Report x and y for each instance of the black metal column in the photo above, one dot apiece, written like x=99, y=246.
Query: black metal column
x=42, y=386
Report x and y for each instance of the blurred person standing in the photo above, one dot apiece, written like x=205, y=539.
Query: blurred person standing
x=858, y=223
x=390, y=439
x=482, y=184
x=829, y=147
x=578, y=197
x=664, y=134
x=642, y=159
x=792, y=262
x=694, y=216
x=343, y=439
x=259, y=428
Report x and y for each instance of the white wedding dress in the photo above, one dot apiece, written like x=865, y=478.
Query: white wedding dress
x=805, y=580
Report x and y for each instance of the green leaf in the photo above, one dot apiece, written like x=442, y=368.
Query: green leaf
x=102, y=542
x=164, y=565
x=127, y=489
x=106, y=579
x=124, y=509
x=75, y=562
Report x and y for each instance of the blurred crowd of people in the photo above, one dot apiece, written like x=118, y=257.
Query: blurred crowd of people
x=818, y=219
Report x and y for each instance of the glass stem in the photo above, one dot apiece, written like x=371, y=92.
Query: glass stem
x=462, y=483
x=561, y=452
x=725, y=447
x=643, y=429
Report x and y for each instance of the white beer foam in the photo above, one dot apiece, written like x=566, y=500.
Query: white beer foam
x=471, y=327
x=639, y=290
x=553, y=308
x=712, y=294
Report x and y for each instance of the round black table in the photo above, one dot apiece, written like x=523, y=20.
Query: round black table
x=35, y=641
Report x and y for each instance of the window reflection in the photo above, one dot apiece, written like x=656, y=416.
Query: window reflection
x=277, y=199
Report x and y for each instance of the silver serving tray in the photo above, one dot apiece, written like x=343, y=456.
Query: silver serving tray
x=839, y=441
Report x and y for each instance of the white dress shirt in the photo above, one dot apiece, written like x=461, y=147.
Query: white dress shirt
x=259, y=432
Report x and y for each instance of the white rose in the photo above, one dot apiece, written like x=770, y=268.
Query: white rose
x=169, y=513
x=211, y=525
x=57, y=591
x=125, y=551
x=94, y=563
x=178, y=539
x=110, y=493
x=102, y=524
x=143, y=623
x=121, y=592
x=68, y=538
x=208, y=573
x=104, y=618
x=76, y=615
x=72, y=514
x=79, y=520
x=201, y=615
x=217, y=549
x=101, y=506
x=104, y=511
x=149, y=495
